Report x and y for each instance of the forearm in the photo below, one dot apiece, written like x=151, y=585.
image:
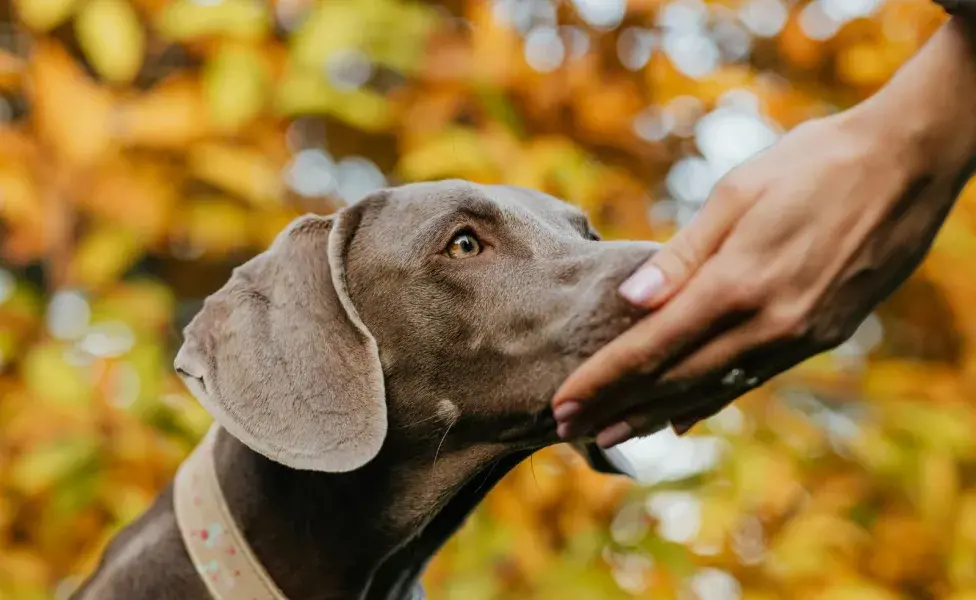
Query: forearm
x=928, y=109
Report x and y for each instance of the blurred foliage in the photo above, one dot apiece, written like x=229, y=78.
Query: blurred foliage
x=148, y=146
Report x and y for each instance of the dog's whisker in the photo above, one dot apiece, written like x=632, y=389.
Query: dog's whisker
x=417, y=422
x=441, y=443
x=532, y=469
x=436, y=505
x=488, y=473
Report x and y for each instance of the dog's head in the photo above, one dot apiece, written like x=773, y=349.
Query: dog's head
x=448, y=308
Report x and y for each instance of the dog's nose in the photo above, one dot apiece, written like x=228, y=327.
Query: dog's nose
x=186, y=362
x=189, y=367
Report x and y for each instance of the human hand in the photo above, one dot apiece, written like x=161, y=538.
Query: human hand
x=790, y=254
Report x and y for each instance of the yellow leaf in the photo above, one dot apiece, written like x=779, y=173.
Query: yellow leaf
x=856, y=591
x=30, y=568
x=267, y=226
x=171, y=115
x=764, y=480
x=719, y=514
x=235, y=85
x=906, y=550
x=103, y=254
x=111, y=36
x=44, y=15
x=8, y=348
x=43, y=467
x=239, y=170
x=21, y=204
x=877, y=451
x=138, y=195
x=946, y=427
x=145, y=305
x=343, y=26
x=128, y=501
x=454, y=153
x=190, y=19
x=938, y=486
x=70, y=110
x=810, y=543
x=962, y=560
x=11, y=71
x=216, y=226
x=864, y=64
x=50, y=376
x=332, y=27
x=302, y=92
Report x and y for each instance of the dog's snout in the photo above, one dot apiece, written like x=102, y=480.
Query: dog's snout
x=632, y=254
x=189, y=367
x=617, y=261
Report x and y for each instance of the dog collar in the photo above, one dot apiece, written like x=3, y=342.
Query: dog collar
x=216, y=546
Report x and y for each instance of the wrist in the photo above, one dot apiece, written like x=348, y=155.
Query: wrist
x=926, y=115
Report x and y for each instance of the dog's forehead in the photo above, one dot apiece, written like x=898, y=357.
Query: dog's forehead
x=417, y=203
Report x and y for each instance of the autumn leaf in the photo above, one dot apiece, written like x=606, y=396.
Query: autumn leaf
x=111, y=35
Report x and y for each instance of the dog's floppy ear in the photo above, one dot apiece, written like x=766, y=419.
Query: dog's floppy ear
x=281, y=359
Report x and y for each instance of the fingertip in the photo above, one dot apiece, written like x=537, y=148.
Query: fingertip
x=566, y=410
x=614, y=435
x=645, y=287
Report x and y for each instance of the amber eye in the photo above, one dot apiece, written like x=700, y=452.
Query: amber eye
x=464, y=245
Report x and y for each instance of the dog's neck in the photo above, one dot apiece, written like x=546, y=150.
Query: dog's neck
x=367, y=534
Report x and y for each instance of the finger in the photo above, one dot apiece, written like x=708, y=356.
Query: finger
x=760, y=365
x=734, y=348
x=755, y=342
x=752, y=343
x=692, y=316
x=634, y=425
x=632, y=398
x=678, y=260
x=640, y=422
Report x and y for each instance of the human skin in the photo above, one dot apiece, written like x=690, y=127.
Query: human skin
x=792, y=251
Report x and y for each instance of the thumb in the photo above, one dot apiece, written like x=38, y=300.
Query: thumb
x=679, y=259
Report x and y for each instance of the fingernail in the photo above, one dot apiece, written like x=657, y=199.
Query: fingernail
x=643, y=285
x=566, y=410
x=563, y=431
x=615, y=434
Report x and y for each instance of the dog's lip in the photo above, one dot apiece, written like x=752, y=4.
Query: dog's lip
x=539, y=427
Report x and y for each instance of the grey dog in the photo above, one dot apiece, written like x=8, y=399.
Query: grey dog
x=374, y=373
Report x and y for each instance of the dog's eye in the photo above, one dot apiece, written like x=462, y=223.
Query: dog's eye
x=464, y=245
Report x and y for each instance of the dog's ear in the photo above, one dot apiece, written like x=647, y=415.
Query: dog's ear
x=281, y=359
x=611, y=462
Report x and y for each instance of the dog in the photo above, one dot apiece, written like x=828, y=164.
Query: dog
x=371, y=376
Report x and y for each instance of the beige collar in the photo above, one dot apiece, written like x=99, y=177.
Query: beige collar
x=216, y=546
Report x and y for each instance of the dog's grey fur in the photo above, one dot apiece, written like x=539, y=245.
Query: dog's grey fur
x=372, y=390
